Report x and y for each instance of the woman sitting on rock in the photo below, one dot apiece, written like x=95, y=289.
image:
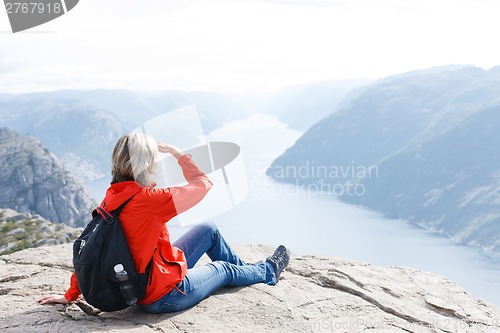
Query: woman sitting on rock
x=176, y=285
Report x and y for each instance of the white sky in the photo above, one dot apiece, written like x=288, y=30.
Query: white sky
x=244, y=44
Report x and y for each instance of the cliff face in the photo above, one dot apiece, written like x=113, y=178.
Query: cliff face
x=316, y=294
x=33, y=180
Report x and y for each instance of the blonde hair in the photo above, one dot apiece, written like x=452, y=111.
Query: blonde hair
x=134, y=158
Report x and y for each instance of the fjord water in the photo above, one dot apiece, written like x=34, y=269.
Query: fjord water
x=312, y=222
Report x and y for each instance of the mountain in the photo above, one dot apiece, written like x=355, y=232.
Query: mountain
x=315, y=294
x=22, y=231
x=420, y=147
x=300, y=106
x=33, y=180
x=133, y=108
x=82, y=136
x=214, y=109
x=81, y=127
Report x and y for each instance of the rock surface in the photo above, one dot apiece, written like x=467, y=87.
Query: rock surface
x=316, y=294
x=34, y=180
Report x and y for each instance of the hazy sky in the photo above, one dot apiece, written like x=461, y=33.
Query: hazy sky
x=244, y=44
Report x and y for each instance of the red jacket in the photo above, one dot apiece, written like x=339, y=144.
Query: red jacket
x=144, y=223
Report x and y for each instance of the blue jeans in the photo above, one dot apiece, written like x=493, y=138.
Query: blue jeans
x=226, y=269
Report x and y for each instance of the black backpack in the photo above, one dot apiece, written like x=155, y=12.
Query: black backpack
x=100, y=247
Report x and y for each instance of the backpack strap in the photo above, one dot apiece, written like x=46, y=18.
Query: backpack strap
x=108, y=216
x=104, y=213
x=119, y=209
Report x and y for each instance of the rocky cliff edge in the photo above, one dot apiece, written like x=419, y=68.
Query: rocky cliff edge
x=316, y=294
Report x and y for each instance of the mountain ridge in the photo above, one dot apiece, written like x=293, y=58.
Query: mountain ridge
x=82, y=126
x=431, y=138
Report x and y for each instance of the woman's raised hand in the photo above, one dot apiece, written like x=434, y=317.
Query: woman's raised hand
x=164, y=148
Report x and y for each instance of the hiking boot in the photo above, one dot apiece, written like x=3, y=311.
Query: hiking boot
x=279, y=260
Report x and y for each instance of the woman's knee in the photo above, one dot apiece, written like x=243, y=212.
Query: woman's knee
x=208, y=227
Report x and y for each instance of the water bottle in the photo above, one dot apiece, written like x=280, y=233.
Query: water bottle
x=126, y=287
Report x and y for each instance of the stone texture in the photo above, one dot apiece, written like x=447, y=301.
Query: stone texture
x=316, y=294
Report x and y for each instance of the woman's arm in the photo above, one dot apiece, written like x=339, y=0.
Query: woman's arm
x=174, y=200
x=187, y=196
x=53, y=299
x=164, y=148
x=71, y=294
